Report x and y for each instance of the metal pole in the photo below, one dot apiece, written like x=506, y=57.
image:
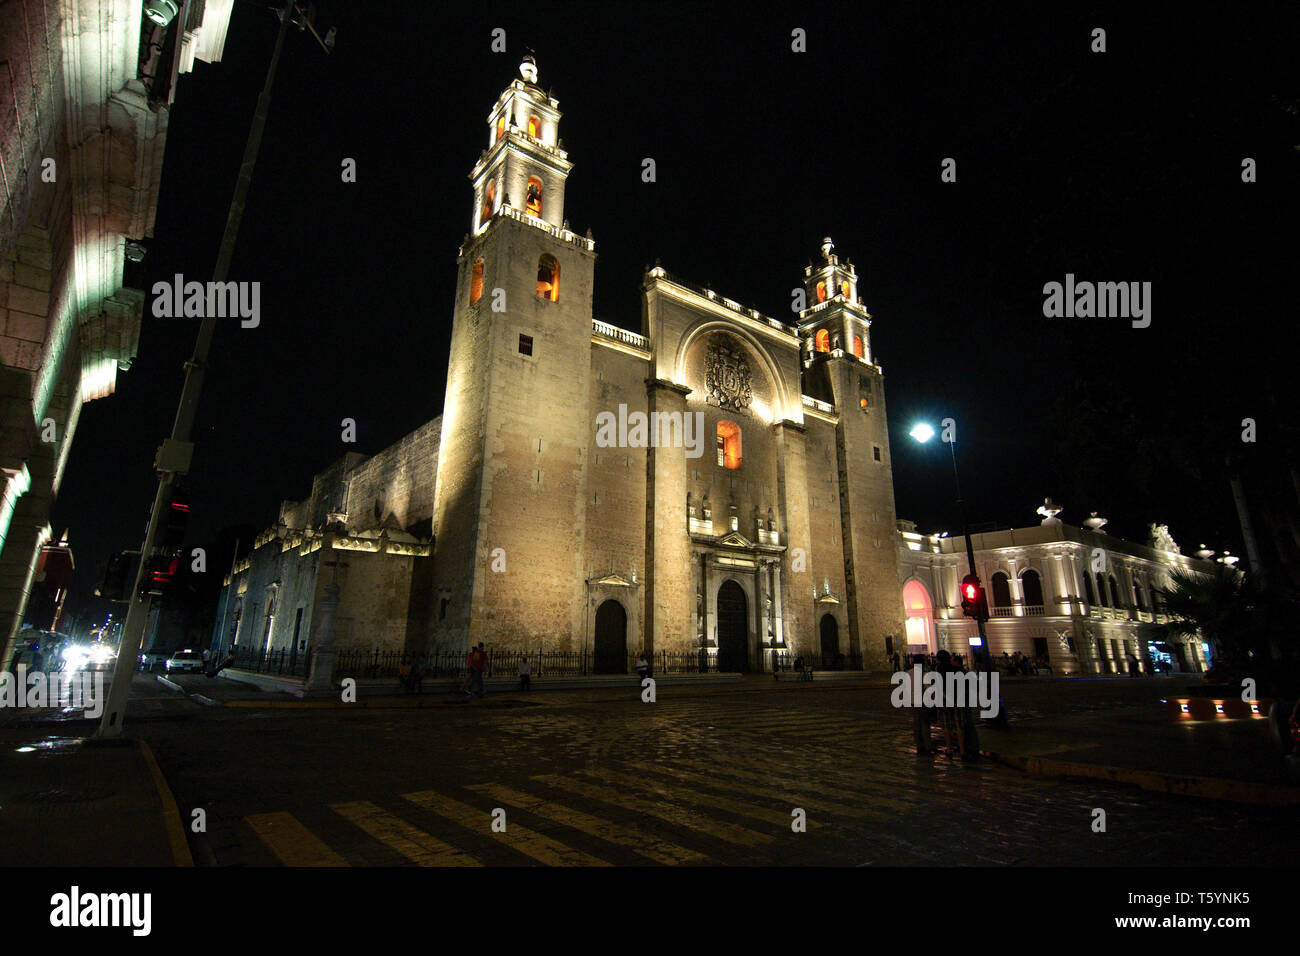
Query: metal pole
x=129, y=647
x=986, y=655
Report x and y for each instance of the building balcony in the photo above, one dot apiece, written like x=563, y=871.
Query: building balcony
x=607, y=331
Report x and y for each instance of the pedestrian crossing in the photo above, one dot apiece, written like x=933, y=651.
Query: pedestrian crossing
x=676, y=814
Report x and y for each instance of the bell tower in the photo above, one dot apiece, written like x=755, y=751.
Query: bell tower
x=523, y=167
x=838, y=364
x=509, y=507
x=834, y=308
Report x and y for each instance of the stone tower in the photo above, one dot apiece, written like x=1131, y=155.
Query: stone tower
x=839, y=363
x=509, y=515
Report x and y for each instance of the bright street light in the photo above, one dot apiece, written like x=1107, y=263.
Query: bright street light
x=922, y=432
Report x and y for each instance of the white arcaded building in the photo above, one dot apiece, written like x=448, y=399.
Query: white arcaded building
x=1077, y=596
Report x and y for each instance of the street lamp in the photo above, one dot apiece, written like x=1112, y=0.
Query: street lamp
x=923, y=432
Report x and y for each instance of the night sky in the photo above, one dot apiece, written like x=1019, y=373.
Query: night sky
x=1122, y=166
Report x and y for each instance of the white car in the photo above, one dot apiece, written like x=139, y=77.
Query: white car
x=185, y=661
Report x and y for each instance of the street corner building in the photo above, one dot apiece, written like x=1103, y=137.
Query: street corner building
x=716, y=485
x=1075, y=600
x=86, y=87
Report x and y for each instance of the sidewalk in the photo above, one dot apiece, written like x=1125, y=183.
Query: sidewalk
x=1213, y=759
x=77, y=802
x=236, y=690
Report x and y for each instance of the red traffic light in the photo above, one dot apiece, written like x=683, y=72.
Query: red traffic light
x=972, y=598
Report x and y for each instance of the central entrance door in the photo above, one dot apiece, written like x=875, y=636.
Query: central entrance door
x=830, y=640
x=733, y=628
x=611, y=639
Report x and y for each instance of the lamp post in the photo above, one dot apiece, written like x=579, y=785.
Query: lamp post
x=922, y=432
x=173, y=459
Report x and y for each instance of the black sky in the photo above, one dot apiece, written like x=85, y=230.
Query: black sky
x=1122, y=166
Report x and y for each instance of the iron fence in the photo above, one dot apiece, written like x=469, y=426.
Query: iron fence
x=375, y=663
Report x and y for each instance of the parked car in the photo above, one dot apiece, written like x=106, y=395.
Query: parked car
x=151, y=661
x=185, y=661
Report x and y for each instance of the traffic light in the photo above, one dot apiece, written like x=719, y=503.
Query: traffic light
x=113, y=586
x=159, y=573
x=973, y=602
x=175, y=520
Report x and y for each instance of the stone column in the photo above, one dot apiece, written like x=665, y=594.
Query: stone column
x=322, y=660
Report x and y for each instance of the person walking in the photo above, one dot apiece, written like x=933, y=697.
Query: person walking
x=642, y=667
x=417, y=674
x=525, y=674
x=477, y=662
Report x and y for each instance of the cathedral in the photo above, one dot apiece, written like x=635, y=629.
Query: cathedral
x=718, y=483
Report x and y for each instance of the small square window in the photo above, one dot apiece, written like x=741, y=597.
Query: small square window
x=875, y=450
x=525, y=345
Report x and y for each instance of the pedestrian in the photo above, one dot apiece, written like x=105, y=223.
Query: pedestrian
x=642, y=667
x=417, y=674
x=477, y=663
x=525, y=674
x=898, y=664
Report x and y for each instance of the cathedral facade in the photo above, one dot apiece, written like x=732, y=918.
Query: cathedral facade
x=718, y=482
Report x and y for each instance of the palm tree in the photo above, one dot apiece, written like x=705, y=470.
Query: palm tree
x=1242, y=616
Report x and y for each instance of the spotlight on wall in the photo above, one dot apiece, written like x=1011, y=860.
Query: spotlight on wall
x=161, y=12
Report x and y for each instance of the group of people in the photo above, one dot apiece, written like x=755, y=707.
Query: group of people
x=957, y=723
x=1017, y=663
x=928, y=662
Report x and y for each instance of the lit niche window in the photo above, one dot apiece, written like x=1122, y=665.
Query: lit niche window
x=476, y=282
x=821, y=291
x=844, y=288
x=534, y=201
x=857, y=346
x=823, y=341
x=534, y=127
x=489, y=201
x=548, y=278
x=501, y=126
x=728, y=444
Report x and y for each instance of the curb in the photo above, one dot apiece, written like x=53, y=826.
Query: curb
x=171, y=813
x=169, y=683
x=1206, y=788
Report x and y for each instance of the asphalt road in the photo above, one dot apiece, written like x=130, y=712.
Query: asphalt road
x=702, y=776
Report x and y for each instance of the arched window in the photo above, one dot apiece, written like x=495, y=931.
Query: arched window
x=729, y=444
x=489, y=201
x=1138, y=599
x=821, y=291
x=534, y=204
x=1101, y=591
x=1001, y=590
x=823, y=341
x=534, y=127
x=548, y=278
x=1114, y=593
x=857, y=346
x=1087, y=584
x=844, y=288
x=476, y=282
x=501, y=126
x=1032, y=585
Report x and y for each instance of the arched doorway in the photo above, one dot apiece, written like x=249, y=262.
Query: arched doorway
x=920, y=618
x=733, y=628
x=830, y=631
x=611, y=639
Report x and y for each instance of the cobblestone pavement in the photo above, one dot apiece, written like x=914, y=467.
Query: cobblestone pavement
x=709, y=778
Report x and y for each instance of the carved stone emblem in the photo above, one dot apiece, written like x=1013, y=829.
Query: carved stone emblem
x=727, y=377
